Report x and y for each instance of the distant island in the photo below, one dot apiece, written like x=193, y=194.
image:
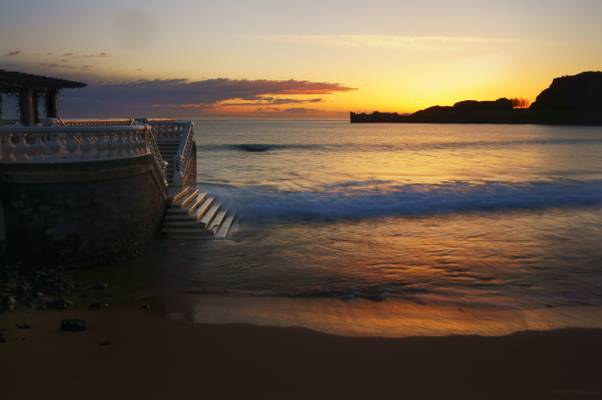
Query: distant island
x=570, y=100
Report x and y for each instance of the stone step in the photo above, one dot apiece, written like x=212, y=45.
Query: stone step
x=180, y=224
x=185, y=201
x=182, y=194
x=200, y=199
x=225, y=227
x=217, y=221
x=193, y=215
x=179, y=217
x=181, y=236
x=186, y=231
x=202, y=210
x=206, y=220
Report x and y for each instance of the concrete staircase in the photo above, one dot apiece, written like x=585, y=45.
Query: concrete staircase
x=168, y=150
x=195, y=215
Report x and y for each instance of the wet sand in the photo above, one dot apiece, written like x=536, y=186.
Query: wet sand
x=152, y=357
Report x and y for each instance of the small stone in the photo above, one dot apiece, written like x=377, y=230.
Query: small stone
x=99, y=306
x=59, y=304
x=24, y=326
x=107, y=343
x=73, y=325
x=11, y=301
x=101, y=286
x=146, y=307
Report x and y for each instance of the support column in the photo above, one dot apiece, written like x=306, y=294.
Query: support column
x=26, y=106
x=51, y=109
x=35, y=101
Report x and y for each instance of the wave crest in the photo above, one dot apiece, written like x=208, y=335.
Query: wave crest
x=359, y=199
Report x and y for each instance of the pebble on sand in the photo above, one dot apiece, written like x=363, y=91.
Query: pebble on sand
x=73, y=325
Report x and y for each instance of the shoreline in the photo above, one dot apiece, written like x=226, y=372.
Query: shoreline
x=392, y=318
x=150, y=356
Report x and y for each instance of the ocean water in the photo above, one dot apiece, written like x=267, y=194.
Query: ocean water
x=492, y=216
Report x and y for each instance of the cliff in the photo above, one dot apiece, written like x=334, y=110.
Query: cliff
x=573, y=99
x=569, y=100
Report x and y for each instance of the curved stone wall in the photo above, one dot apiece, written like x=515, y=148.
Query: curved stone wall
x=81, y=213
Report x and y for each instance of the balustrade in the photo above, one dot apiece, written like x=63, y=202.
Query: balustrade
x=73, y=144
x=97, y=140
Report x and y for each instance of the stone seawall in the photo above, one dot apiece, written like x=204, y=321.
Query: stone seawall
x=81, y=213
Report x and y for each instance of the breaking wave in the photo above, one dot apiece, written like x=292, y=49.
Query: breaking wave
x=370, y=199
x=257, y=147
x=269, y=147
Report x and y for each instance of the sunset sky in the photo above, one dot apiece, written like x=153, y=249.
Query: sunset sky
x=296, y=59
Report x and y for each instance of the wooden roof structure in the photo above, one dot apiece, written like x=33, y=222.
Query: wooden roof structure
x=11, y=82
x=30, y=88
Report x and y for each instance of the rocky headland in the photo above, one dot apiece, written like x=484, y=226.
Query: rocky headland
x=570, y=100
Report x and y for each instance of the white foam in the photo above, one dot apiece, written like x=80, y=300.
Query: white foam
x=358, y=199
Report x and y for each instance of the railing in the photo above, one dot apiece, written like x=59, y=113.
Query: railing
x=74, y=144
x=167, y=130
x=160, y=163
x=180, y=132
x=97, y=122
x=65, y=141
x=184, y=154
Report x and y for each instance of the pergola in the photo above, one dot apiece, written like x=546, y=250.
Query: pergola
x=30, y=88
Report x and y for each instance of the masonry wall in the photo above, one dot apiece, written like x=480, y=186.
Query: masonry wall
x=81, y=213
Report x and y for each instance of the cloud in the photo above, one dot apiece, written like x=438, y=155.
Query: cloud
x=102, y=54
x=56, y=66
x=261, y=100
x=300, y=110
x=386, y=41
x=13, y=53
x=175, y=96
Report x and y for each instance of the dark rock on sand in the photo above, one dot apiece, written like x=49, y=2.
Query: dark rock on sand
x=101, y=286
x=107, y=343
x=33, y=287
x=98, y=306
x=59, y=304
x=73, y=325
x=24, y=326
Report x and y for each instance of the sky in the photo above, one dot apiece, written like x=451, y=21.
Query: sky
x=296, y=59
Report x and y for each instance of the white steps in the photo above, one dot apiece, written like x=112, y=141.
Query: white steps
x=225, y=227
x=168, y=150
x=193, y=215
x=209, y=215
x=202, y=210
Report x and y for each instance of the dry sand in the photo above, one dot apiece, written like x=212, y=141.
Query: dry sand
x=151, y=357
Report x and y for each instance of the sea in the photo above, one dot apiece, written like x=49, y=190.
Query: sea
x=396, y=229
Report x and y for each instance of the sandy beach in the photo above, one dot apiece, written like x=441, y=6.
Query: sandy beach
x=130, y=353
